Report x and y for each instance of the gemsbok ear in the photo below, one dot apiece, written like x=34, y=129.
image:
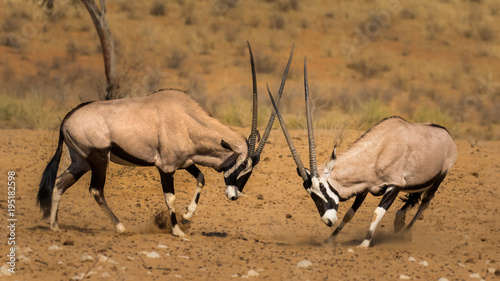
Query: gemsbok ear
x=331, y=162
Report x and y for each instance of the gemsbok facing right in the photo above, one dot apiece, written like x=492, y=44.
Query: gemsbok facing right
x=393, y=156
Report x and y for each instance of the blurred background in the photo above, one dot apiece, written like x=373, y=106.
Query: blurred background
x=427, y=61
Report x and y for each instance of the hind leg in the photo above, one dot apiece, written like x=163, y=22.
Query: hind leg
x=200, y=182
x=76, y=169
x=98, y=161
x=399, y=220
x=427, y=197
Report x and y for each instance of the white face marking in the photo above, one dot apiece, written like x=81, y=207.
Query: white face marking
x=330, y=217
x=232, y=192
x=247, y=169
x=233, y=168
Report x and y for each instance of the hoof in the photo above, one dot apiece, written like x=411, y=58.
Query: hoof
x=364, y=245
x=176, y=231
x=187, y=216
x=55, y=227
x=120, y=228
x=185, y=221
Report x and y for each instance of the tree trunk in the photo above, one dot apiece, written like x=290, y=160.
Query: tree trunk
x=108, y=46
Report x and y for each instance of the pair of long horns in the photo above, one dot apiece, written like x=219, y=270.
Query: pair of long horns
x=310, y=133
x=253, y=135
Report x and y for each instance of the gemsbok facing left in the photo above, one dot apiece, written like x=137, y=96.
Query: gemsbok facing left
x=393, y=156
x=167, y=129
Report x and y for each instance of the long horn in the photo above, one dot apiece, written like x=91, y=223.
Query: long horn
x=293, y=150
x=253, y=132
x=273, y=116
x=310, y=133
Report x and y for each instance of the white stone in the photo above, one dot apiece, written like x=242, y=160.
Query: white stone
x=491, y=270
x=304, y=264
x=130, y=258
x=443, y=279
x=404, y=277
x=54, y=248
x=424, y=263
x=235, y=275
x=4, y=270
x=412, y=259
x=184, y=257
x=78, y=277
x=253, y=273
x=475, y=275
x=102, y=258
x=152, y=254
x=60, y=263
x=350, y=250
x=112, y=261
x=162, y=246
x=24, y=259
x=86, y=257
x=105, y=275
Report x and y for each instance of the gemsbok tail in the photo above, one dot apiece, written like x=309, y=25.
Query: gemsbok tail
x=44, y=197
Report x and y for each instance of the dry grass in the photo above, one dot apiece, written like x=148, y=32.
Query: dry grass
x=423, y=66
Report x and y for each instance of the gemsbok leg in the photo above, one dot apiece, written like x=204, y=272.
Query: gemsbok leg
x=399, y=220
x=427, y=197
x=200, y=183
x=167, y=183
x=98, y=161
x=390, y=195
x=348, y=216
x=75, y=171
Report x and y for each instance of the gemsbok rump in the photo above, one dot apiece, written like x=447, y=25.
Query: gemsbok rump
x=393, y=156
x=167, y=129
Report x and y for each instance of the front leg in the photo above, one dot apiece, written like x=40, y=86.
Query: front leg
x=167, y=183
x=200, y=183
x=390, y=195
x=348, y=216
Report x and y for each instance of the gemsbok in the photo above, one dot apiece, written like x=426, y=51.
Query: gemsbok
x=393, y=156
x=167, y=129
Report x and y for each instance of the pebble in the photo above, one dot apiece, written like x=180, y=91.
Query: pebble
x=475, y=275
x=78, y=277
x=86, y=257
x=304, y=264
x=24, y=258
x=350, y=250
x=105, y=275
x=412, y=259
x=130, y=258
x=4, y=270
x=253, y=273
x=162, y=246
x=102, y=258
x=424, y=263
x=404, y=277
x=443, y=279
x=54, y=248
x=152, y=254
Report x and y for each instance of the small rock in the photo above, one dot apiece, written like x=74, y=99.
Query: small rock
x=424, y=263
x=461, y=264
x=443, y=279
x=253, y=273
x=86, y=257
x=4, y=270
x=24, y=259
x=350, y=250
x=78, y=277
x=102, y=258
x=235, y=275
x=260, y=197
x=68, y=243
x=130, y=258
x=105, y=275
x=412, y=259
x=54, y=248
x=288, y=216
x=404, y=277
x=152, y=254
x=491, y=270
x=183, y=257
x=162, y=246
x=113, y=261
x=60, y=263
x=475, y=275
x=304, y=264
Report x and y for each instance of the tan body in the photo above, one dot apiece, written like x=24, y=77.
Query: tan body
x=168, y=128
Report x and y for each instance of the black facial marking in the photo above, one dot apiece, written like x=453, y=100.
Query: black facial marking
x=320, y=204
x=233, y=179
x=122, y=154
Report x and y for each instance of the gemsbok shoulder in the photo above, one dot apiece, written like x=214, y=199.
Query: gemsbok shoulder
x=393, y=156
x=167, y=129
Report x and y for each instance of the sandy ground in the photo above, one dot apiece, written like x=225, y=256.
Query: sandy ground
x=268, y=232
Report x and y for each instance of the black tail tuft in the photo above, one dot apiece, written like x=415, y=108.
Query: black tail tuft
x=44, y=197
x=411, y=199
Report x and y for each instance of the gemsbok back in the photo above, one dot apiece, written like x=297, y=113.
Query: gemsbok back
x=167, y=129
x=393, y=156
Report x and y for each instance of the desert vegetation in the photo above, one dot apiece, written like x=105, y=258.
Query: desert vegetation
x=428, y=62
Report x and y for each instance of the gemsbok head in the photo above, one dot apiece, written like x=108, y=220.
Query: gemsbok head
x=393, y=156
x=167, y=129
